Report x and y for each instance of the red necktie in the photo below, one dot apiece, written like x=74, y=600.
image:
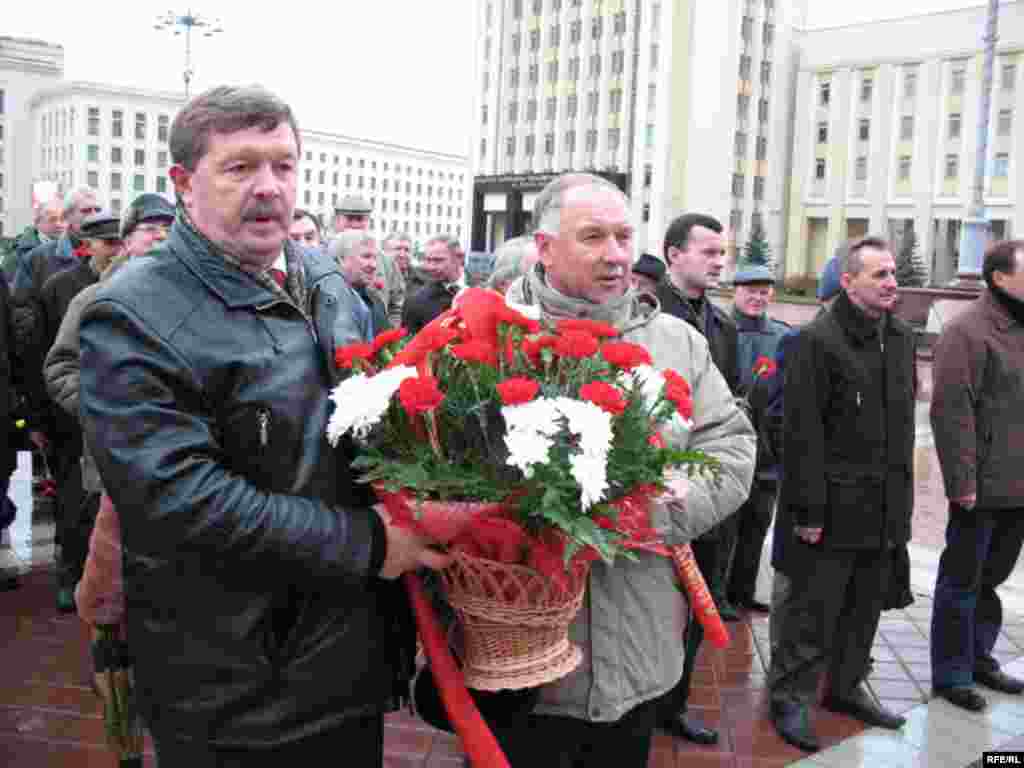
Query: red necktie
x=279, y=276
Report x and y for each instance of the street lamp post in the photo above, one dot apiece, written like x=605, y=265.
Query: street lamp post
x=186, y=22
x=975, y=231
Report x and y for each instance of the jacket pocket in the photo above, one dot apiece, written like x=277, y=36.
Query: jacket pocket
x=853, y=513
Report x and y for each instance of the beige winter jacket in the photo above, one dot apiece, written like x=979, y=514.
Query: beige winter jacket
x=631, y=625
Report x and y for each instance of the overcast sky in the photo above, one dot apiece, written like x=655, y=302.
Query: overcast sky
x=392, y=70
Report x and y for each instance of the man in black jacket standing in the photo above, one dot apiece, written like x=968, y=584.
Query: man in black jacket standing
x=695, y=255
x=259, y=581
x=847, y=492
x=443, y=264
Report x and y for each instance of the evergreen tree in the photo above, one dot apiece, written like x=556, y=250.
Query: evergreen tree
x=757, y=251
x=910, y=269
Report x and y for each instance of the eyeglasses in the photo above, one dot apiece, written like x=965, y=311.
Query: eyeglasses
x=153, y=229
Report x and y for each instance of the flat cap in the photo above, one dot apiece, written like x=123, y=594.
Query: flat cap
x=753, y=273
x=650, y=266
x=146, y=207
x=355, y=205
x=101, y=226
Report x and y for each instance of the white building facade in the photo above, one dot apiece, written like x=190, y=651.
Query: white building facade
x=885, y=135
x=682, y=104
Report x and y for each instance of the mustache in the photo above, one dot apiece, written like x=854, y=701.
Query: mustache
x=261, y=210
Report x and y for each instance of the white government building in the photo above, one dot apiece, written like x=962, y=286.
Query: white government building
x=114, y=139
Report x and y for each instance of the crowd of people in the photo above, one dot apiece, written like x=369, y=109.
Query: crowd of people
x=173, y=366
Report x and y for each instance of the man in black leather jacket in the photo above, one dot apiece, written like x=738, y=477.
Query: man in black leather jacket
x=259, y=587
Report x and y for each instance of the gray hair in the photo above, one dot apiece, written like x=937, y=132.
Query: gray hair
x=74, y=196
x=547, y=208
x=449, y=242
x=225, y=109
x=396, y=237
x=508, y=260
x=44, y=206
x=342, y=246
x=851, y=262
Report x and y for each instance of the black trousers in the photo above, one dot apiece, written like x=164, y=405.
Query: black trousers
x=73, y=524
x=358, y=742
x=708, y=554
x=548, y=741
x=753, y=520
x=835, y=600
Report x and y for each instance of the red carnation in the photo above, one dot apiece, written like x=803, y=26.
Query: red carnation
x=593, y=327
x=576, y=344
x=482, y=309
x=346, y=357
x=388, y=337
x=765, y=366
x=82, y=252
x=476, y=351
x=419, y=395
x=605, y=396
x=532, y=348
x=678, y=391
x=518, y=390
x=656, y=440
x=623, y=354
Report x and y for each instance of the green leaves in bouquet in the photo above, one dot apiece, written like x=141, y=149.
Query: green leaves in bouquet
x=430, y=476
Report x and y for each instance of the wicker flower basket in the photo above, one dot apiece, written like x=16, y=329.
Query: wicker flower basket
x=515, y=622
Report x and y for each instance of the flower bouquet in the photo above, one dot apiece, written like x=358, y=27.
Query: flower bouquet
x=530, y=451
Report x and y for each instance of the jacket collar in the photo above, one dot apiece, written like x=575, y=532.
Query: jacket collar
x=853, y=320
x=748, y=323
x=999, y=314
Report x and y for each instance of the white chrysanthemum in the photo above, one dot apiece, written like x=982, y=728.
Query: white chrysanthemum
x=589, y=472
x=530, y=428
x=526, y=448
x=591, y=423
x=531, y=311
x=360, y=401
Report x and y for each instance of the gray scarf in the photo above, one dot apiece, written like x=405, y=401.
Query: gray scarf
x=626, y=312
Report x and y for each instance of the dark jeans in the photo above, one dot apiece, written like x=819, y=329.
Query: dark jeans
x=358, y=742
x=548, y=741
x=982, y=547
x=832, y=614
x=753, y=520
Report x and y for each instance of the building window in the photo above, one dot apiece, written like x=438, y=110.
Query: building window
x=769, y=34
x=954, y=126
x=483, y=115
x=533, y=73
x=140, y=126
x=163, y=128
x=1001, y=166
x=952, y=166
x=596, y=24
x=747, y=28
x=592, y=101
x=906, y=127
x=652, y=95
x=115, y=155
x=574, y=68
x=909, y=83
x=517, y=9
x=647, y=212
x=531, y=111
x=572, y=104
x=1009, y=77
x=591, y=139
x=528, y=145
x=738, y=183
x=762, y=148
x=649, y=135
x=824, y=93
x=117, y=124
x=904, y=172
x=513, y=111
x=510, y=146
x=161, y=185
x=620, y=23
x=115, y=182
x=745, y=67
x=595, y=65
x=740, y=144
x=538, y=7
x=93, y=179
x=1005, y=122
x=742, y=105
x=861, y=169
x=956, y=81
x=615, y=101
x=140, y=157
x=864, y=130
x=618, y=62
x=549, y=143
x=513, y=77
x=550, y=107
x=819, y=169
x=867, y=86
x=322, y=177
x=94, y=121
x=759, y=187
x=575, y=29
x=762, y=110
x=648, y=175
x=161, y=159
x=553, y=71
x=555, y=36
x=139, y=182
x=766, y=72
x=309, y=176
x=570, y=141
x=735, y=220
x=92, y=153
x=613, y=139
x=534, y=39
x=654, y=55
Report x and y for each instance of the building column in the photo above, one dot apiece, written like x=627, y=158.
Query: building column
x=478, y=228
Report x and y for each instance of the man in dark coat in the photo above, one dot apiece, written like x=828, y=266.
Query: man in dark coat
x=48, y=224
x=8, y=454
x=259, y=582
x=443, y=264
x=100, y=242
x=977, y=416
x=847, y=492
x=759, y=337
x=695, y=255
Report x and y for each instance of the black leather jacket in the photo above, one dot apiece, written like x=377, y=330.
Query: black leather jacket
x=250, y=558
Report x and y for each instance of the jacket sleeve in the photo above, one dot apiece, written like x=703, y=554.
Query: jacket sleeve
x=723, y=432
x=806, y=385
x=396, y=296
x=61, y=368
x=957, y=370
x=151, y=429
